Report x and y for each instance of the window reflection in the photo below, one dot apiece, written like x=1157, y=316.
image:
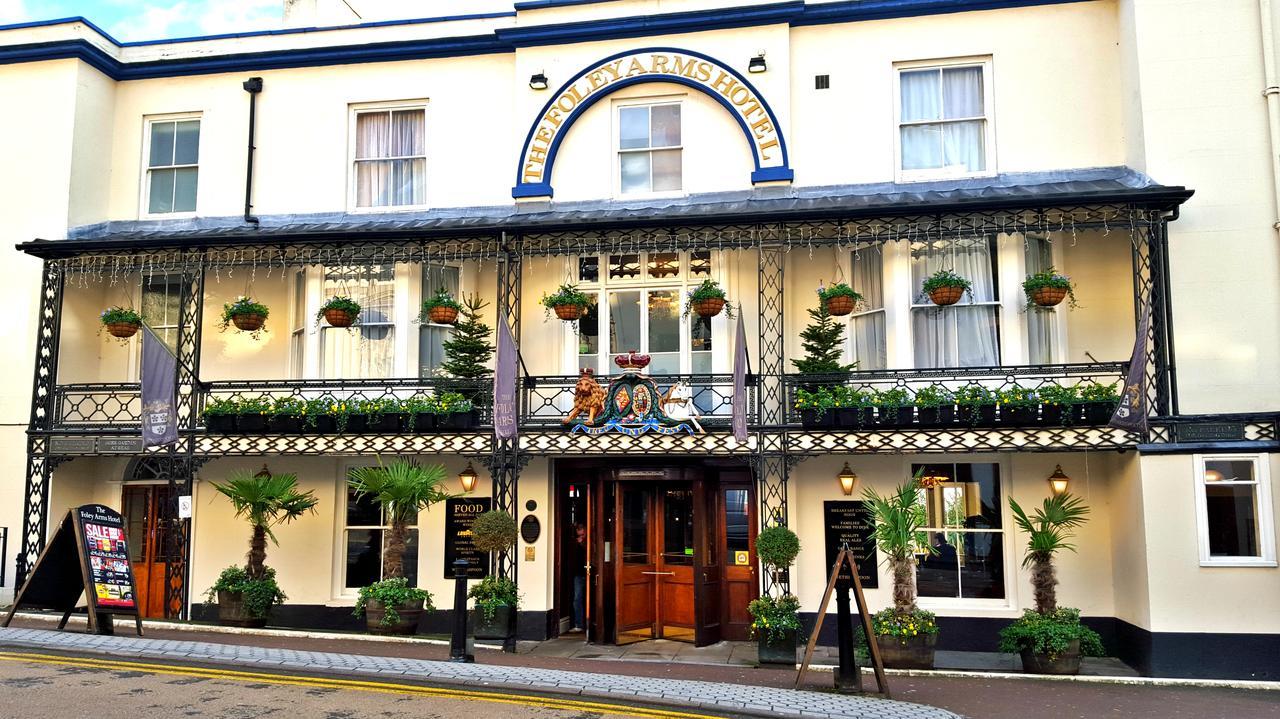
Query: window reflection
x=964, y=531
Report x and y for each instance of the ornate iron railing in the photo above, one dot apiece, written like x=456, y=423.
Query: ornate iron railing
x=350, y=391
x=546, y=400
x=97, y=405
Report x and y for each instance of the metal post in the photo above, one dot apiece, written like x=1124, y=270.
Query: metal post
x=847, y=675
x=458, y=649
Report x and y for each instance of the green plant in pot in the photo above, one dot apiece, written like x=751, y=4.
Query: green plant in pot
x=775, y=620
x=247, y=314
x=906, y=634
x=496, y=597
x=1050, y=638
x=402, y=489
x=935, y=406
x=567, y=302
x=707, y=300
x=945, y=287
x=121, y=322
x=339, y=311
x=839, y=299
x=245, y=595
x=1049, y=288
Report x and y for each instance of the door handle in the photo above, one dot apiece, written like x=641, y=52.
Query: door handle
x=664, y=574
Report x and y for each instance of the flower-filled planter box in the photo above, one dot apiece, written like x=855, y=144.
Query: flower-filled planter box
x=896, y=417
x=817, y=418
x=1020, y=415
x=939, y=417
x=469, y=419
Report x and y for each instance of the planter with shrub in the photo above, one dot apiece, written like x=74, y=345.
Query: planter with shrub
x=339, y=311
x=905, y=634
x=1098, y=402
x=976, y=406
x=1019, y=406
x=775, y=620
x=839, y=299
x=935, y=407
x=496, y=602
x=246, y=314
x=894, y=408
x=220, y=415
x=391, y=606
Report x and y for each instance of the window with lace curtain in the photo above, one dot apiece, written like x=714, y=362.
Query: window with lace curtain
x=389, y=157
x=944, y=127
x=867, y=331
x=965, y=334
x=368, y=348
x=1042, y=323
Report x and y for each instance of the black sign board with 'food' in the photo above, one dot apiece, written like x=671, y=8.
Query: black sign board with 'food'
x=459, y=514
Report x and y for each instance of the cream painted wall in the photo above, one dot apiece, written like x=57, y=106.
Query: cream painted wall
x=1129, y=544
x=235, y=355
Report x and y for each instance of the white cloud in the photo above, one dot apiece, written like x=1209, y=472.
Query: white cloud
x=12, y=11
x=152, y=22
x=159, y=20
x=224, y=16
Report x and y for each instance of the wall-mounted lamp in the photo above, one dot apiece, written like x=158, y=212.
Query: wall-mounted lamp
x=264, y=473
x=1058, y=481
x=537, y=81
x=848, y=479
x=467, y=478
x=757, y=64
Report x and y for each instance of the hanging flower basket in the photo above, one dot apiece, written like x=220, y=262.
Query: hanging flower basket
x=945, y=287
x=246, y=314
x=440, y=309
x=1048, y=289
x=121, y=322
x=840, y=299
x=340, y=311
x=248, y=322
x=568, y=303
x=708, y=300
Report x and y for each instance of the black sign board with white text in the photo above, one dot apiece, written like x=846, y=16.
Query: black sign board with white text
x=459, y=514
x=851, y=522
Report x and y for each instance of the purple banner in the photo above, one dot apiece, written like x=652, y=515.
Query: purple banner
x=740, y=383
x=159, y=392
x=1131, y=413
x=504, y=384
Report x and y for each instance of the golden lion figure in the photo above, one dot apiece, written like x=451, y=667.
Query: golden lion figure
x=588, y=397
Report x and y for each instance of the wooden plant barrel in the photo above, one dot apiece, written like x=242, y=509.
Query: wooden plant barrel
x=944, y=296
x=568, y=313
x=123, y=330
x=840, y=305
x=339, y=318
x=442, y=315
x=709, y=307
x=248, y=322
x=1048, y=296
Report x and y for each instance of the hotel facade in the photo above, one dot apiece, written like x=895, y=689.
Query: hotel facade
x=636, y=148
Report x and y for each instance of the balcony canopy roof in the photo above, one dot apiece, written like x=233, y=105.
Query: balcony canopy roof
x=1007, y=192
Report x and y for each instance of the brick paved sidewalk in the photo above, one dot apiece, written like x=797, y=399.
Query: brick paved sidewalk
x=735, y=698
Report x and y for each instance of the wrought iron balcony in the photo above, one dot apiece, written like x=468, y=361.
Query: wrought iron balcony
x=97, y=405
x=546, y=400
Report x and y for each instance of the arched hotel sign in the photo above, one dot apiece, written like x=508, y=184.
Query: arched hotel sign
x=659, y=64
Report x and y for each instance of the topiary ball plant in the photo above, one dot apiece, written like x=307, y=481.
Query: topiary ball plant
x=777, y=547
x=494, y=531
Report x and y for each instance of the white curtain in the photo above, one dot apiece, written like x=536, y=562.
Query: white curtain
x=431, y=338
x=368, y=349
x=965, y=334
x=867, y=329
x=950, y=101
x=390, y=162
x=1040, y=321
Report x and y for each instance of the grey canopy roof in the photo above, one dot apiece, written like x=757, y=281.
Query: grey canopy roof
x=1011, y=191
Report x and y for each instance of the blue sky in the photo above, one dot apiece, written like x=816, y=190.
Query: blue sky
x=152, y=19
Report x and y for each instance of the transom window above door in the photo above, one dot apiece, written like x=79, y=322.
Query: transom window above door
x=649, y=150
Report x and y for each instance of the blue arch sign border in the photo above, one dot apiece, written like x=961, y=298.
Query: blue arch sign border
x=543, y=188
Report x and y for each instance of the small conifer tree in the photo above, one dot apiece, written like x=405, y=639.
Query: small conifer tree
x=467, y=351
x=822, y=344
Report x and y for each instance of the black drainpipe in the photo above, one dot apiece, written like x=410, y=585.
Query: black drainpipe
x=253, y=86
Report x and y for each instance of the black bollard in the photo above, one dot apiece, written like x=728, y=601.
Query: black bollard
x=848, y=676
x=458, y=645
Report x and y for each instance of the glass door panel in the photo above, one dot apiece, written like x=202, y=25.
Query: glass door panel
x=664, y=331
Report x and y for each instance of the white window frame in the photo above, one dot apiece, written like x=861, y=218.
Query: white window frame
x=341, y=592
x=618, y=152
x=1265, y=514
x=1007, y=532
x=415, y=307
x=988, y=107
x=403, y=336
x=353, y=112
x=144, y=190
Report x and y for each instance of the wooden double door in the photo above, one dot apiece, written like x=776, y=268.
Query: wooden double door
x=147, y=510
x=671, y=554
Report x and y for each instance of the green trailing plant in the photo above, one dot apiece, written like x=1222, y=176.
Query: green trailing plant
x=708, y=290
x=774, y=618
x=468, y=350
x=392, y=594
x=565, y=295
x=265, y=501
x=494, y=592
x=402, y=489
x=823, y=343
x=220, y=407
x=1050, y=634
x=777, y=547
x=118, y=314
x=258, y=595
x=288, y=407
x=945, y=278
x=899, y=534
x=339, y=302
x=970, y=399
x=904, y=626
x=1050, y=278
x=1098, y=392
x=892, y=398
x=441, y=298
x=1017, y=397
x=934, y=396
x=839, y=289
x=243, y=305
x=1048, y=531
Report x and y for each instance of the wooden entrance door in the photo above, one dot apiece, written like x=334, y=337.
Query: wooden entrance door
x=637, y=572
x=738, y=542
x=145, y=508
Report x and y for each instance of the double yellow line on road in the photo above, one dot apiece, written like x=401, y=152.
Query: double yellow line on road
x=352, y=685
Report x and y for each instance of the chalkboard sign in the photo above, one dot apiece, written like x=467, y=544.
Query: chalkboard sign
x=459, y=514
x=852, y=523
x=88, y=555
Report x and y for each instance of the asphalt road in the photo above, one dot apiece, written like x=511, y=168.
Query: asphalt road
x=72, y=687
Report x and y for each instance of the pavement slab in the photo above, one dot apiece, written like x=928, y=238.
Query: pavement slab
x=742, y=699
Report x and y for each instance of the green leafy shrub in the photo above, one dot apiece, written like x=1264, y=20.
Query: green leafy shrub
x=819, y=400
x=1016, y=396
x=259, y=595
x=494, y=531
x=441, y=298
x=339, y=302
x=565, y=295
x=708, y=290
x=493, y=592
x=904, y=626
x=891, y=398
x=946, y=278
x=220, y=407
x=243, y=305
x=1050, y=278
x=1097, y=392
x=391, y=594
x=1050, y=634
x=288, y=407
x=839, y=289
x=1056, y=394
x=933, y=396
x=115, y=314
x=774, y=617
x=777, y=546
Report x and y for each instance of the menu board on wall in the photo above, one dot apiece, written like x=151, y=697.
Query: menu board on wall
x=459, y=514
x=107, y=553
x=851, y=523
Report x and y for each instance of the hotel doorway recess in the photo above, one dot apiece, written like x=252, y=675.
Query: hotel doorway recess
x=146, y=522
x=669, y=551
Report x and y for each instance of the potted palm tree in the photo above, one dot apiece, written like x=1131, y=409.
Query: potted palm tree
x=496, y=597
x=1050, y=638
x=907, y=635
x=245, y=595
x=402, y=489
x=775, y=620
